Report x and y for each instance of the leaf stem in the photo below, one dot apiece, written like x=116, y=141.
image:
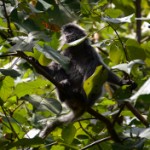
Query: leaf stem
x=7, y=18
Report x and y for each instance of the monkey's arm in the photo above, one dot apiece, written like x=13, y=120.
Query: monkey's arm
x=52, y=73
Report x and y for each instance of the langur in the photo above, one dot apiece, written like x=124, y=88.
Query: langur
x=69, y=82
x=83, y=62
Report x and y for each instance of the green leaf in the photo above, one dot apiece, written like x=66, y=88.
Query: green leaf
x=68, y=133
x=107, y=102
x=113, y=12
x=85, y=7
x=45, y=104
x=54, y=55
x=10, y=72
x=134, y=50
x=6, y=87
x=27, y=88
x=26, y=43
x=45, y=4
x=145, y=133
x=32, y=133
x=122, y=93
x=26, y=142
x=21, y=115
x=58, y=147
x=116, y=53
x=102, y=3
x=93, y=85
x=144, y=90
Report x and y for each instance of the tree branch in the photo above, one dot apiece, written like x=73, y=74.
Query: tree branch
x=69, y=117
x=9, y=122
x=138, y=22
x=96, y=142
x=39, y=68
x=123, y=46
x=137, y=113
x=109, y=125
x=7, y=18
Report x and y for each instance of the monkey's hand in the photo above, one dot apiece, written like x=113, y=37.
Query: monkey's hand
x=130, y=82
x=65, y=82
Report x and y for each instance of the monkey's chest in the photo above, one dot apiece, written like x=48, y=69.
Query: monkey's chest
x=76, y=74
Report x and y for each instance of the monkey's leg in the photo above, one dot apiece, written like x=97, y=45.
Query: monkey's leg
x=58, y=122
x=64, y=119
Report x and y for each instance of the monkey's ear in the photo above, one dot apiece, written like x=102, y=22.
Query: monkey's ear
x=94, y=84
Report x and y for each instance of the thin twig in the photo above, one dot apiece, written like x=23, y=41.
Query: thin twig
x=109, y=126
x=9, y=54
x=138, y=22
x=96, y=142
x=12, y=129
x=85, y=131
x=7, y=18
x=88, y=134
x=118, y=114
x=12, y=112
x=123, y=46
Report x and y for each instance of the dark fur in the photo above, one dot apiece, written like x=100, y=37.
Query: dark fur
x=83, y=62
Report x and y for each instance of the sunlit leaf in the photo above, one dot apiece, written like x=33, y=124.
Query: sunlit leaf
x=34, y=10
x=93, y=85
x=6, y=87
x=24, y=142
x=116, y=53
x=32, y=133
x=74, y=43
x=27, y=88
x=145, y=133
x=113, y=12
x=126, y=19
x=3, y=28
x=107, y=102
x=134, y=50
x=144, y=90
x=45, y=4
x=68, y=133
x=85, y=7
x=127, y=67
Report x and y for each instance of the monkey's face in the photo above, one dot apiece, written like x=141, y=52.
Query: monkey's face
x=72, y=32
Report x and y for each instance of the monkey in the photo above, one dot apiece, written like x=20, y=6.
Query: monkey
x=69, y=82
x=83, y=62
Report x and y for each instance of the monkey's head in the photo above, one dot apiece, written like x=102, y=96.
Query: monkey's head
x=71, y=32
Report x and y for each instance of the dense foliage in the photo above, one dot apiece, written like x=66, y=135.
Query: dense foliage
x=119, y=30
